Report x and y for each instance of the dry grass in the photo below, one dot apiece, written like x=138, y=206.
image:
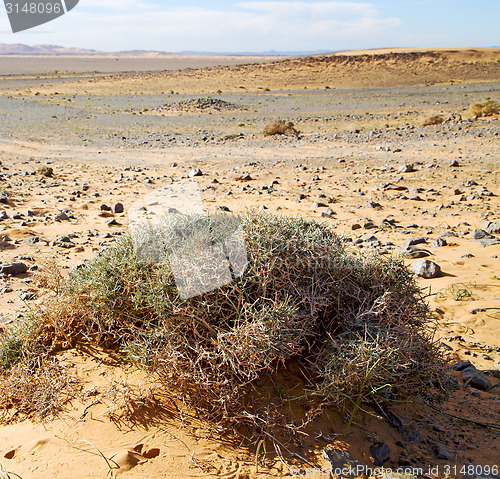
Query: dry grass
x=486, y=108
x=281, y=127
x=433, y=120
x=357, y=325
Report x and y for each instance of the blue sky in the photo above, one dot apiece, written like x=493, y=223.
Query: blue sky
x=255, y=25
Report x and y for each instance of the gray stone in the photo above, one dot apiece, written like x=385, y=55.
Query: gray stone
x=492, y=228
x=62, y=217
x=12, y=269
x=406, y=169
x=223, y=208
x=426, y=269
x=4, y=215
x=476, y=378
x=341, y=461
x=438, y=242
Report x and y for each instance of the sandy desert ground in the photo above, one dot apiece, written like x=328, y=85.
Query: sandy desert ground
x=363, y=164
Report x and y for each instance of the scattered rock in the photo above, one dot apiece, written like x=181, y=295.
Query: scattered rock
x=441, y=451
x=27, y=295
x=415, y=241
x=62, y=217
x=426, y=269
x=461, y=365
x=195, y=172
x=118, y=208
x=438, y=242
x=380, y=453
x=479, y=234
x=328, y=213
x=492, y=228
x=151, y=453
x=340, y=460
x=223, y=208
x=406, y=169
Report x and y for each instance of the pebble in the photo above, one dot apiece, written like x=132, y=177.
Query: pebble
x=380, y=453
x=406, y=169
x=118, y=208
x=426, y=269
x=438, y=242
x=195, y=172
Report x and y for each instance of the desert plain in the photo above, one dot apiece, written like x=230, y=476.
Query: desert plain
x=362, y=163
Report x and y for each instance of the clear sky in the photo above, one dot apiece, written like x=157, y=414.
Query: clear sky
x=257, y=26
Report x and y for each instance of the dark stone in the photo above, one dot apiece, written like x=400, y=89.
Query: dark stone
x=31, y=240
x=328, y=213
x=195, y=172
x=380, y=453
x=442, y=452
x=340, y=460
x=475, y=378
x=105, y=207
x=12, y=269
x=27, y=295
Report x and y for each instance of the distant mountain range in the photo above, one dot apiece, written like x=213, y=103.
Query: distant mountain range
x=21, y=49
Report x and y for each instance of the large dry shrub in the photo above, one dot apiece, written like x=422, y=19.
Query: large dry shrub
x=358, y=325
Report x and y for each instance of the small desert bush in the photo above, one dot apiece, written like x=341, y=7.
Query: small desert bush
x=357, y=325
x=281, y=127
x=486, y=108
x=46, y=171
x=433, y=120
